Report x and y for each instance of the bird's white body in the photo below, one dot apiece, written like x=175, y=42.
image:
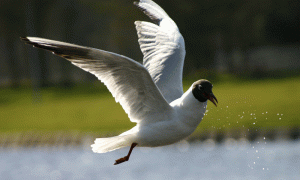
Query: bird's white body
x=171, y=127
x=179, y=123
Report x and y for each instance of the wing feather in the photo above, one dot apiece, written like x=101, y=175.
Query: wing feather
x=129, y=82
x=163, y=48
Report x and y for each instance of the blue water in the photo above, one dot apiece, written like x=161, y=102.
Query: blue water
x=229, y=160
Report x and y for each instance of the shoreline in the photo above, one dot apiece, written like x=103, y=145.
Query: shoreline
x=33, y=139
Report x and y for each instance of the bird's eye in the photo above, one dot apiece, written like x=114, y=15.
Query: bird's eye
x=199, y=87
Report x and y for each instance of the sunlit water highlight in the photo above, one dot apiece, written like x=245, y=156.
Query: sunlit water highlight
x=207, y=160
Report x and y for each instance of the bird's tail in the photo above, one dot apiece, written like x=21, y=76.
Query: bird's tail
x=103, y=145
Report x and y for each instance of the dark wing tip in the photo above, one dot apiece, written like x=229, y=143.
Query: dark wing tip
x=66, y=50
x=34, y=44
x=25, y=39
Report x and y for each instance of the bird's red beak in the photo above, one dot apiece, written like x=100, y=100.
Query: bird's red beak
x=212, y=98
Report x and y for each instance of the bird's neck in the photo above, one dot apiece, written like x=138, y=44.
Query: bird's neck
x=190, y=109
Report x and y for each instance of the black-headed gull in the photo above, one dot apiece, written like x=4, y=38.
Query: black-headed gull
x=151, y=94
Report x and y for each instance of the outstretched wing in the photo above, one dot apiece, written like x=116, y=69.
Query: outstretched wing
x=128, y=81
x=163, y=48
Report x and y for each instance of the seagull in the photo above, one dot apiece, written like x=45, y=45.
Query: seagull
x=150, y=93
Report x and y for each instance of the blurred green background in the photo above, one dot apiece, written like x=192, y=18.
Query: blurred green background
x=249, y=50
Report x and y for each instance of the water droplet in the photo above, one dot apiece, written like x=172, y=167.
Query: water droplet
x=254, y=123
x=264, y=137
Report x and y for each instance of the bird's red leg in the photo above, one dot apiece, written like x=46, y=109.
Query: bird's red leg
x=126, y=158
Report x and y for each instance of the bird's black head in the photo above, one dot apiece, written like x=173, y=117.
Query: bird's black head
x=202, y=90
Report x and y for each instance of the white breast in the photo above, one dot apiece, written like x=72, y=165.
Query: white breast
x=190, y=111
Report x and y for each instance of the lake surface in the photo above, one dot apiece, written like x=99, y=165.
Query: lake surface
x=206, y=160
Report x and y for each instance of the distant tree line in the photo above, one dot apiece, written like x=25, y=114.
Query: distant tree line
x=217, y=33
